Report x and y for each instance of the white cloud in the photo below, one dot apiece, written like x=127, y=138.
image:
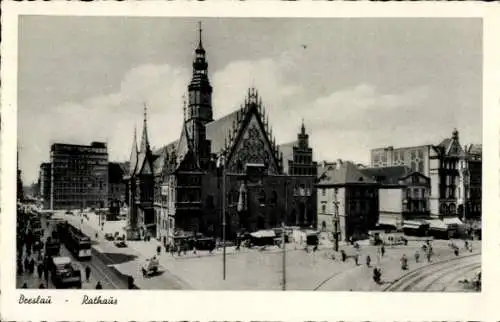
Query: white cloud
x=337, y=122
x=109, y=118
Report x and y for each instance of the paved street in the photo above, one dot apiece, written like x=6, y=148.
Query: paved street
x=251, y=269
x=439, y=277
x=99, y=270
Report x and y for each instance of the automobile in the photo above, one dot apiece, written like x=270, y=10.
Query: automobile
x=109, y=236
x=150, y=266
x=68, y=212
x=65, y=274
x=121, y=244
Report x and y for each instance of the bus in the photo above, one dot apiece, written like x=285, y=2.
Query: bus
x=75, y=241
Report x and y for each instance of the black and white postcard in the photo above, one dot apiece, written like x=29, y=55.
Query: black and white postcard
x=318, y=160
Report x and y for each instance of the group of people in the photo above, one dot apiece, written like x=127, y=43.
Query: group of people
x=30, y=255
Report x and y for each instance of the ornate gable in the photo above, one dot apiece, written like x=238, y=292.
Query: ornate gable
x=250, y=141
x=454, y=149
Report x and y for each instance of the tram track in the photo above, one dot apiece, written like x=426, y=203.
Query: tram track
x=411, y=280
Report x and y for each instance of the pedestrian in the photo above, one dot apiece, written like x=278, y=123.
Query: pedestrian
x=26, y=264
x=343, y=255
x=368, y=260
x=382, y=250
x=417, y=256
x=87, y=273
x=158, y=250
x=41, y=286
x=404, y=262
x=39, y=270
x=356, y=259
x=24, y=285
x=456, y=251
x=466, y=245
x=98, y=285
x=31, y=265
x=194, y=250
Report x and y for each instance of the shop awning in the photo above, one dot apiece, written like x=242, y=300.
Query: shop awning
x=453, y=221
x=437, y=224
x=263, y=234
x=414, y=224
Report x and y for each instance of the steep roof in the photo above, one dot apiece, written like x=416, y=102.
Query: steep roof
x=344, y=172
x=217, y=130
x=387, y=175
x=475, y=149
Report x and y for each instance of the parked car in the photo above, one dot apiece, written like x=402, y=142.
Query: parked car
x=109, y=236
x=150, y=266
x=120, y=244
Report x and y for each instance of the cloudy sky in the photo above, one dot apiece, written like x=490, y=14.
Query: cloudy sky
x=358, y=83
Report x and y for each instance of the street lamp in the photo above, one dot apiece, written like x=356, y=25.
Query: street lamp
x=336, y=220
x=283, y=237
x=222, y=166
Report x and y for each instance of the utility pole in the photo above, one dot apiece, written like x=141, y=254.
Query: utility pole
x=223, y=164
x=283, y=236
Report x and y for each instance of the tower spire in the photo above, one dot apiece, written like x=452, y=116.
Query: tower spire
x=144, y=139
x=303, y=127
x=133, y=154
x=200, y=30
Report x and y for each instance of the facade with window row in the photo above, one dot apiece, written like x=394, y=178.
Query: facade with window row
x=454, y=172
x=78, y=176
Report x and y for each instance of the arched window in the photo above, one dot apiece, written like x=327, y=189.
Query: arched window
x=262, y=198
x=453, y=208
x=323, y=225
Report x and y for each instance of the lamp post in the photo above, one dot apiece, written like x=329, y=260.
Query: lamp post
x=222, y=166
x=283, y=238
x=336, y=220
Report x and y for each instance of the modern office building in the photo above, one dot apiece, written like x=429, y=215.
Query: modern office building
x=79, y=176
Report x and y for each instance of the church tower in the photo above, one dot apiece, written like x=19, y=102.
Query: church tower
x=199, y=105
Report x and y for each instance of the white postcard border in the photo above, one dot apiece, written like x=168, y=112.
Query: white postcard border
x=226, y=305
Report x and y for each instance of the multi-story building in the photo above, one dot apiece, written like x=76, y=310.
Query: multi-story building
x=470, y=194
x=403, y=197
x=45, y=180
x=230, y=168
x=347, y=201
x=446, y=164
x=79, y=176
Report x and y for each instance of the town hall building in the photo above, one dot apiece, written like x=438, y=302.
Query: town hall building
x=228, y=172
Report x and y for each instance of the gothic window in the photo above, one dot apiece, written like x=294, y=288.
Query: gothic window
x=323, y=209
x=262, y=198
x=323, y=192
x=452, y=208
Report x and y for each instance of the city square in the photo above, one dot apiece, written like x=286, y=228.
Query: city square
x=225, y=201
